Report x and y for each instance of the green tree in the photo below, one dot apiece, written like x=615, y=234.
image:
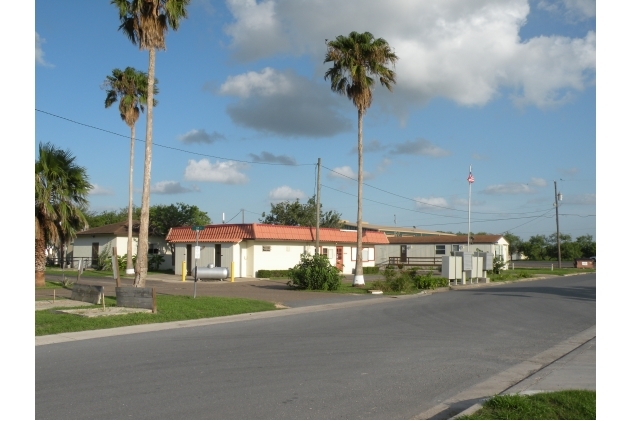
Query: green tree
x=98, y=219
x=514, y=243
x=61, y=189
x=302, y=214
x=145, y=22
x=165, y=217
x=129, y=88
x=358, y=61
x=535, y=247
x=587, y=245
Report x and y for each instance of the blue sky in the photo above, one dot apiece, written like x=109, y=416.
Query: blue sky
x=507, y=87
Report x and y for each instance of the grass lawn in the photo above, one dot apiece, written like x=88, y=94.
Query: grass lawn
x=514, y=274
x=54, y=285
x=563, y=405
x=170, y=308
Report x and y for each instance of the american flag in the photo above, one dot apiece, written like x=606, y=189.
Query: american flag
x=470, y=178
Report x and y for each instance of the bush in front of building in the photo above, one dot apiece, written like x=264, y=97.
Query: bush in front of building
x=371, y=270
x=428, y=281
x=315, y=272
x=277, y=273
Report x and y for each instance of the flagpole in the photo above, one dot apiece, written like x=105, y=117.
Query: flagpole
x=469, y=216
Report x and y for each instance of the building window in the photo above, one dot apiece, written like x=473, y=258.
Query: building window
x=153, y=249
x=368, y=254
x=456, y=247
x=440, y=249
x=267, y=248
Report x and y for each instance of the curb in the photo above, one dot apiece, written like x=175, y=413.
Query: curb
x=506, y=380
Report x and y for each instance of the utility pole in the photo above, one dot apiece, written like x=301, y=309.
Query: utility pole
x=556, y=206
x=317, y=250
x=242, y=216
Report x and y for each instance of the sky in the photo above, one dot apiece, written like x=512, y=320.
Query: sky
x=506, y=87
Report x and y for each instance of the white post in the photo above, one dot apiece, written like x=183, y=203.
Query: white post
x=470, y=180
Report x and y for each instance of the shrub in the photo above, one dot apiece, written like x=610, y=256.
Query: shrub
x=104, y=260
x=430, y=282
x=498, y=264
x=315, y=272
x=402, y=283
x=264, y=273
x=371, y=270
x=155, y=260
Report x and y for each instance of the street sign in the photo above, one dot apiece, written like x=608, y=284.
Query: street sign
x=197, y=252
x=197, y=228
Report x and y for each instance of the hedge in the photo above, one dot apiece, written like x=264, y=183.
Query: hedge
x=277, y=273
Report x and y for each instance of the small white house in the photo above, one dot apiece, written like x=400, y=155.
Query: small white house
x=91, y=242
x=254, y=247
x=437, y=246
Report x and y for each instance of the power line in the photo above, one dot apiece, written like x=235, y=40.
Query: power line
x=443, y=216
x=170, y=147
x=430, y=204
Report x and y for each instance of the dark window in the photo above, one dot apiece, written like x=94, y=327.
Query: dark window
x=440, y=249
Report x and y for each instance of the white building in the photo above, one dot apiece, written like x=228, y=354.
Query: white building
x=254, y=247
x=91, y=242
x=406, y=249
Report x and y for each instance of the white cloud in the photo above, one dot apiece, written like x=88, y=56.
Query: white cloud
x=344, y=172
x=538, y=182
x=383, y=165
x=419, y=147
x=267, y=82
x=464, y=50
x=101, y=191
x=430, y=202
x=200, y=136
x=226, y=172
x=39, y=52
x=479, y=157
x=170, y=187
x=282, y=193
x=283, y=103
x=256, y=32
x=569, y=171
x=508, y=188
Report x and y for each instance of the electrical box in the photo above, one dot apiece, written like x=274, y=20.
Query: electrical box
x=466, y=258
x=488, y=259
x=477, y=267
x=452, y=267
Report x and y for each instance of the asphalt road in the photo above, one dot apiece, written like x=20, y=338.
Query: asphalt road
x=388, y=360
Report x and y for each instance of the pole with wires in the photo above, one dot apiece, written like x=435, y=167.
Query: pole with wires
x=470, y=180
x=317, y=211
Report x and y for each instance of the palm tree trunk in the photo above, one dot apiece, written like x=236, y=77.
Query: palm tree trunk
x=40, y=262
x=143, y=235
x=358, y=279
x=130, y=263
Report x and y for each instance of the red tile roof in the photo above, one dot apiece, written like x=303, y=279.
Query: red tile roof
x=234, y=233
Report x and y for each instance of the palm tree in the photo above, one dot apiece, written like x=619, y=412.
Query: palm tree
x=357, y=61
x=61, y=189
x=129, y=88
x=145, y=22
